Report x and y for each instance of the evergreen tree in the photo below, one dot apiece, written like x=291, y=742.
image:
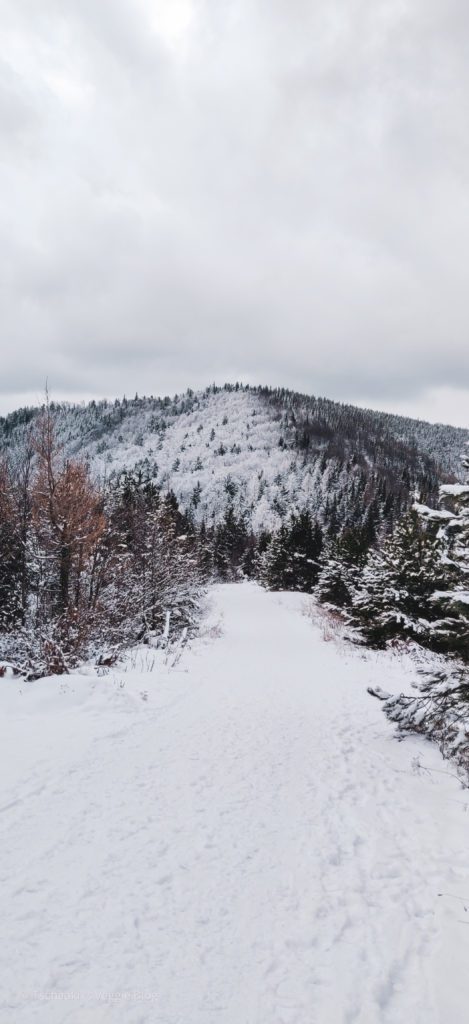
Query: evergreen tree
x=451, y=598
x=291, y=561
x=397, y=584
x=230, y=542
x=335, y=584
x=275, y=571
x=342, y=565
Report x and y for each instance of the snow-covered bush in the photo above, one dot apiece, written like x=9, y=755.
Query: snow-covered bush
x=438, y=710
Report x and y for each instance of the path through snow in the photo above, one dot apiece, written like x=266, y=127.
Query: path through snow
x=239, y=841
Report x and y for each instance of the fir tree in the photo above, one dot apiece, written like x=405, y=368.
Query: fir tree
x=394, y=598
x=342, y=565
x=451, y=598
x=291, y=560
x=231, y=539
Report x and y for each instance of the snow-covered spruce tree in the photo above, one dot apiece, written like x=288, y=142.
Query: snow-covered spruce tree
x=158, y=566
x=273, y=566
x=343, y=561
x=306, y=544
x=174, y=573
x=335, y=583
x=291, y=560
x=450, y=631
x=230, y=542
x=395, y=594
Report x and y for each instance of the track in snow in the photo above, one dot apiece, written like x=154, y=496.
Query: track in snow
x=240, y=841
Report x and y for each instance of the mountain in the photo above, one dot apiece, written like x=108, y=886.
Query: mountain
x=264, y=452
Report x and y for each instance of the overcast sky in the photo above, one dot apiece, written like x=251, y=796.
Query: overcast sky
x=268, y=190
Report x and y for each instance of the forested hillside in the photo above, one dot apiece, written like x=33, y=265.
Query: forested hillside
x=263, y=452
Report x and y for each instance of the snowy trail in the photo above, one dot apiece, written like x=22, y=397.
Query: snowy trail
x=240, y=841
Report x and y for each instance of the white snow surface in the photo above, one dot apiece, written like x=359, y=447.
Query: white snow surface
x=237, y=839
x=455, y=489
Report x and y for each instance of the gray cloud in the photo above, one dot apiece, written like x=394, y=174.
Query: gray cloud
x=201, y=189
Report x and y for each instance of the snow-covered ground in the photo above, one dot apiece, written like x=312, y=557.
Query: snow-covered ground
x=239, y=839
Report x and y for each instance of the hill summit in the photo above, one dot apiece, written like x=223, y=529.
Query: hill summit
x=264, y=452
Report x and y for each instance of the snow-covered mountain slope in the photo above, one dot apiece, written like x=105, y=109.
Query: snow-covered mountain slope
x=238, y=839
x=265, y=452
x=225, y=447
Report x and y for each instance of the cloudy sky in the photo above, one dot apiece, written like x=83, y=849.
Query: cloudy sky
x=268, y=190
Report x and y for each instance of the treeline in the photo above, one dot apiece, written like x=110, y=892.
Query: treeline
x=338, y=460
x=386, y=440
x=414, y=585
x=314, y=554
x=307, y=420
x=86, y=570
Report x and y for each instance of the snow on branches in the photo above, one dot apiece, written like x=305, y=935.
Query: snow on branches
x=438, y=710
x=83, y=567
